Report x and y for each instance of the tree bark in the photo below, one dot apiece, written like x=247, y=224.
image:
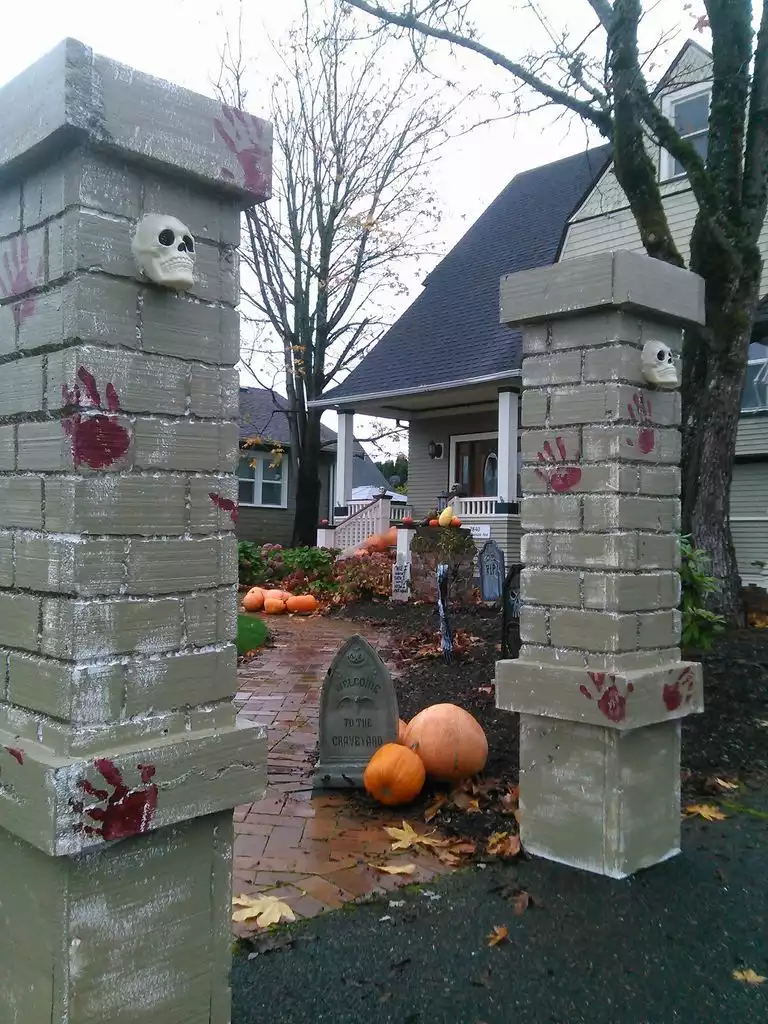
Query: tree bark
x=308, y=484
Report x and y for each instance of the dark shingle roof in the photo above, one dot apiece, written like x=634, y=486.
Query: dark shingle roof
x=451, y=332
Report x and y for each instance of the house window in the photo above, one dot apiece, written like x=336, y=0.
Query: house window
x=262, y=482
x=688, y=110
x=475, y=464
x=755, y=396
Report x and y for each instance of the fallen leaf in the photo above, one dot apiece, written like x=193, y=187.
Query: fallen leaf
x=499, y=934
x=394, y=869
x=266, y=909
x=749, y=976
x=440, y=800
x=485, y=689
x=521, y=902
x=407, y=837
x=465, y=802
x=709, y=812
x=509, y=800
x=483, y=979
x=725, y=784
x=502, y=844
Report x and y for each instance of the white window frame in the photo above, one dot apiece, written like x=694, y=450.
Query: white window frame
x=667, y=165
x=762, y=361
x=487, y=435
x=260, y=458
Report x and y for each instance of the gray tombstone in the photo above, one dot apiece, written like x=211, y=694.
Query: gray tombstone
x=401, y=581
x=358, y=714
x=491, y=560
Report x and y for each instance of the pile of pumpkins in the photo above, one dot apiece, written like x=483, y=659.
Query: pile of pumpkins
x=377, y=542
x=443, y=742
x=278, y=602
x=446, y=518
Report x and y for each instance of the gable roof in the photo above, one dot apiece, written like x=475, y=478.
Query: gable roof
x=451, y=333
x=264, y=413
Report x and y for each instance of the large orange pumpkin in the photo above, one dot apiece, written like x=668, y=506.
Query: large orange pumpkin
x=401, y=730
x=254, y=600
x=301, y=603
x=433, y=522
x=449, y=741
x=391, y=537
x=276, y=595
x=375, y=542
x=394, y=775
x=273, y=606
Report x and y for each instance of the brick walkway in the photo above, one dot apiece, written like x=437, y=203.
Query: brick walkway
x=311, y=851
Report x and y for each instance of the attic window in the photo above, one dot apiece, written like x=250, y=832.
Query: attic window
x=688, y=110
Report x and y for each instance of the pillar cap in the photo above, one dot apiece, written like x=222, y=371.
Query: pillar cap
x=611, y=280
x=71, y=96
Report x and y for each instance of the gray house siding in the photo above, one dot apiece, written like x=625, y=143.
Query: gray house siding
x=749, y=517
x=752, y=438
x=275, y=525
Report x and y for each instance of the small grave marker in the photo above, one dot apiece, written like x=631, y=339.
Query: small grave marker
x=492, y=574
x=358, y=714
x=401, y=581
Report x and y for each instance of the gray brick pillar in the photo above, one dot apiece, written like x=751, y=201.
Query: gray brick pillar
x=120, y=759
x=599, y=684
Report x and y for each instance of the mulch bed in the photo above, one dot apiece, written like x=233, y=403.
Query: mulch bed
x=730, y=739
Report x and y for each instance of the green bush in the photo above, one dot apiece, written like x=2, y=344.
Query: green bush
x=300, y=570
x=700, y=625
x=252, y=633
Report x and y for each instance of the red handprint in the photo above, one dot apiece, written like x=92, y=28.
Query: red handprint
x=244, y=135
x=225, y=504
x=17, y=278
x=559, y=478
x=128, y=812
x=640, y=412
x=681, y=690
x=612, y=704
x=97, y=440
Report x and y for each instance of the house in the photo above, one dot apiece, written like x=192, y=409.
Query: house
x=266, y=497
x=450, y=369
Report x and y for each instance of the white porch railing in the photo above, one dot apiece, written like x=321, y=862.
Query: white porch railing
x=398, y=512
x=468, y=507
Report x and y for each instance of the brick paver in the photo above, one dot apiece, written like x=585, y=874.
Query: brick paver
x=312, y=850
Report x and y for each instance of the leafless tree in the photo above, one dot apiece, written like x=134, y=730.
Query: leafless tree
x=604, y=78
x=356, y=125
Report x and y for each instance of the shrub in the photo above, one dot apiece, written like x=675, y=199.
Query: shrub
x=252, y=633
x=364, y=578
x=700, y=625
x=250, y=564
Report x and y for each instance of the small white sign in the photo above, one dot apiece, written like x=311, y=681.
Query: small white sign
x=401, y=581
x=480, y=531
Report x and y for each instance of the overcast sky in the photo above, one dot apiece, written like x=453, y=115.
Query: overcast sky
x=180, y=40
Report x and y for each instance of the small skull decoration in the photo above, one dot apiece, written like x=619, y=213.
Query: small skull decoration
x=164, y=249
x=658, y=365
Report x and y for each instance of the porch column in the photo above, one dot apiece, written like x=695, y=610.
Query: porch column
x=344, y=456
x=600, y=685
x=508, y=412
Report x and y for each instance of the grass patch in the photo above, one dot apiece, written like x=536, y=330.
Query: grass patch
x=252, y=633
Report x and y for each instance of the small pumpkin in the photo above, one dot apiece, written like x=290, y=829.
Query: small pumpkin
x=433, y=522
x=274, y=607
x=401, y=730
x=407, y=520
x=254, y=600
x=276, y=595
x=445, y=517
x=394, y=775
x=303, y=604
x=455, y=521
x=449, y=741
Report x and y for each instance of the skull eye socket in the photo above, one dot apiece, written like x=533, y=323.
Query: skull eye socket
x=166, y=237
x=661, y=355
x=187, y=240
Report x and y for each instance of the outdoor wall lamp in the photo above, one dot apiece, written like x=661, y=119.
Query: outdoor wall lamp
x=435, y=450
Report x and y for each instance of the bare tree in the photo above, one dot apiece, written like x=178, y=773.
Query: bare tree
x=603, y=77
x=355, y=131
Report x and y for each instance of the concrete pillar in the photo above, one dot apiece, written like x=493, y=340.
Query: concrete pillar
x=344, y=463
x=120, y=759
x=600, y=685
x=508, y=420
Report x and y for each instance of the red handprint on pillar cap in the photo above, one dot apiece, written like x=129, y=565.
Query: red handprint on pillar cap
x=128, y=812
x=248, y=138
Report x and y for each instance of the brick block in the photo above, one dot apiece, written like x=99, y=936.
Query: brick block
x=92, y=308
x=658, y=552
x=207, y=216
x=21, y=386
x=115, y=505
x=84, y=240
x=595, y=329
x=535, y=339
x=587, y=403
x=593, y=631
x=534, y=625
x=21, y=502
x=44, y=447
x=7, y=331
x=76, y=630
x=56, y=565
x=177, y=326
x=594, y=550
x=643, y=407
x=83, y=177
x=617, y=478
x=614, y=363
x=185, y=445
x=605, y=513
x=169, y=566
x=230, y=395
x=205, y=512
x=211, y=617
x=628, y=593
x=6, y=560
x=10, y=210
x=89, y=694
x=7, y=448
x=660, y=629
x=534, y=549
x=563, y=368
x=533, y=409
x=216, y=274
x=180, y=680
x=206, y=394
x=550, y=512
x=669, y=334
x=19, y=621
x=599, y=661
x=631, y=444
x=660, y=480
x=27, y=254
x=550, y=587
x=546, y=448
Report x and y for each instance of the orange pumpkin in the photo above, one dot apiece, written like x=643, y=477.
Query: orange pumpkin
x=274, y=607
x=433, y=522
x=276, y=595
x=455, y=521
x=375, y=542
x=301, y=603
x=254, y=600
x=401, y=729
x=449, y=741
x=407, y=520
x=391, y=537
x=394, y=775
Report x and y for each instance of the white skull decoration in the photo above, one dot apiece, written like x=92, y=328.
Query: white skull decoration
x=164, y=249
x=658, y=365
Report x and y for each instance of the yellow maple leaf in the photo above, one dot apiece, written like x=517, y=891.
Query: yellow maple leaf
x=266, y=910
x=709, y=812
x=502, y=844
x=499, y=934
x=725, y=784
x=394, y=869
x=749, y=976
x=407, y=837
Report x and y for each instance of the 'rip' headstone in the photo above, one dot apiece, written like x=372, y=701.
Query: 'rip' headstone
x=491, y=562
x=401, y=581
x=358, y=714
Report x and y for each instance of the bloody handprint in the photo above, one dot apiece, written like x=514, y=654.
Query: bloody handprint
x=558, y=477
x=611, y=702
x=244, y=135
x=17, y=279
x=128, y=812
x=225, y=504
x=640, y=413
x=681, y=690
x=97, y=440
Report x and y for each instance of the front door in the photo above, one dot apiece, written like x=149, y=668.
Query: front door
x=477, y=467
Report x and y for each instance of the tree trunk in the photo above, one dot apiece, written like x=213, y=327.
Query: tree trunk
x=308, y=484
